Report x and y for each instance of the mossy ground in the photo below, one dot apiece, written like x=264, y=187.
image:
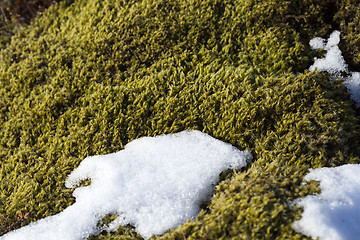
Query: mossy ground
x=87, y=77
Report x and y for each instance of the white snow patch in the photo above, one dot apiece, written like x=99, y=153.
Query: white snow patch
x=334, y=214
x=335, y=64
x=154, y=184
x=333, y=61
x=317, y=43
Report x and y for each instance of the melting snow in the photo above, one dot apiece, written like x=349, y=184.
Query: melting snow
x=334, y=64
x=335, y=213
x=154, y=184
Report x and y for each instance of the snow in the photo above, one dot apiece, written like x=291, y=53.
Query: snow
x=353, y=85
x=154, y=184
x=334, y=214
x=334, y=63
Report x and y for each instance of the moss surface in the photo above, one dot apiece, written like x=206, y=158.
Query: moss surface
x=89, y=76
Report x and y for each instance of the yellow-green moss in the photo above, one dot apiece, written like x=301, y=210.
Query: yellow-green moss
x=90, y=76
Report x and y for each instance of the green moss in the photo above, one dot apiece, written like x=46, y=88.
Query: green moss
x=90, y=76
x=7, y=29
x=348, y=20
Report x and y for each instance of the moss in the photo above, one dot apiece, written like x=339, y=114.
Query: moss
x=8, y=27
x=348, y=20
x=87, y=77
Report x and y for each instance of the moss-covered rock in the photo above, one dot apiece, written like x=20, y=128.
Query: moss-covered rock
x=89, y=76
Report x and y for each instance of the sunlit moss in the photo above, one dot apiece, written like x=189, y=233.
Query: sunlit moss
x=90, y=76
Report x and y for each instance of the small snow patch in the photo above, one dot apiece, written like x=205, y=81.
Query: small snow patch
x=154, y=184
x=334, y=63
x=335, y=213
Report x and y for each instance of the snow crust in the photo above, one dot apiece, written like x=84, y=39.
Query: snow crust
x=334, y=63
x=154, y=184
x=334, y=214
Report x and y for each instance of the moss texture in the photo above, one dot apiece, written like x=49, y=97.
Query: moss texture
x=89, y=76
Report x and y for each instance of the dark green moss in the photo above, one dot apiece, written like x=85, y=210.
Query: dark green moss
x=88, y=77
x=349, y=20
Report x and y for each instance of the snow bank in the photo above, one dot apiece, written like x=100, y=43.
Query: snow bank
x=334, y=214
x=153, y=184
x=334, y=64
